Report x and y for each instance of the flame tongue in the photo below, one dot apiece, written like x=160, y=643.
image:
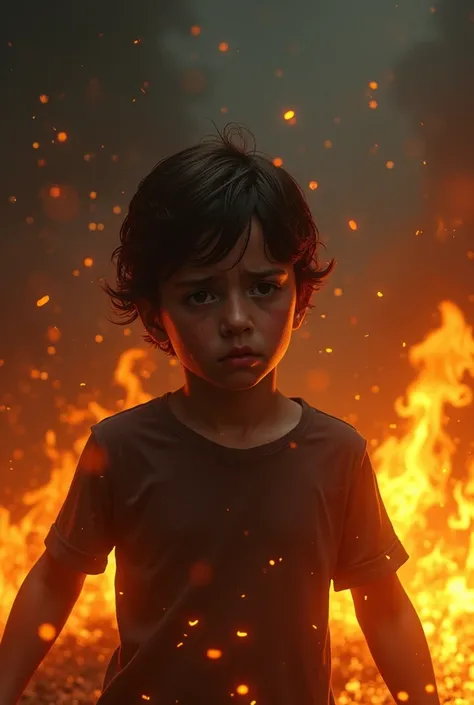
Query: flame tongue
x=416, y=481
x=432, y=512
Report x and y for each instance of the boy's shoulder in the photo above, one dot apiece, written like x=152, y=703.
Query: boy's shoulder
x=336, y=433
x=125, y=424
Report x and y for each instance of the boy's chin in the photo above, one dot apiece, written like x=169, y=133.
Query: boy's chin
x=238, y=381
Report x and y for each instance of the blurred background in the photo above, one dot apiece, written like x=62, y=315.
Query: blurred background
x=368, y=104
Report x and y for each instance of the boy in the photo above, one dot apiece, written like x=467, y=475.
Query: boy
x=230, y=506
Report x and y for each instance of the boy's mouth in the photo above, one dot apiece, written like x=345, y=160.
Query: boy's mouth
x=241, y=353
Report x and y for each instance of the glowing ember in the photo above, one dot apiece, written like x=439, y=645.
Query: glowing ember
x=242, y=689
x=47, y=632
x=42, y=301
x=431, y=506
x=214, y=653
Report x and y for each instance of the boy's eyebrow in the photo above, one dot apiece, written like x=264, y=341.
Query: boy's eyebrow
x=273, y=272
x=263, y=273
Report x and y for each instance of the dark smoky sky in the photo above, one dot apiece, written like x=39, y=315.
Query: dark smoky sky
x=130, y=83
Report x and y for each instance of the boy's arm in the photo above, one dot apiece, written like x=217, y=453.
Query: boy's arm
x=370, y=555
x=396, y=640
x=46, y=597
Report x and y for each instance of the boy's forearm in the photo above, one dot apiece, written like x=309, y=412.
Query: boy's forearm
x=400, y=650
x=22, y=649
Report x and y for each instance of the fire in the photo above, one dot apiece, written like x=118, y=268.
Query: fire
x=431, y=508
x=21, y=544
x=431, y=504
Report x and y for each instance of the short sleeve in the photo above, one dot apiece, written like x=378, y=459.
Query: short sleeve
x=82, y=535
x=370, y=548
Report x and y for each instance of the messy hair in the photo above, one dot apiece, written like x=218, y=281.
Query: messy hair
x=195, y=205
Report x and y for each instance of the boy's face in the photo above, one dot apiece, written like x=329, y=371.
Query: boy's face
x=209, y=312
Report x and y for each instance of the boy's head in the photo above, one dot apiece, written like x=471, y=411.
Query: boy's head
x=218, y=251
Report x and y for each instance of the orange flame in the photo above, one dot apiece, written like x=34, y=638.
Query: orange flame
x=425, y=503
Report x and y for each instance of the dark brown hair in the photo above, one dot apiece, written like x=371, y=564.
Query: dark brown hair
x=195, y=205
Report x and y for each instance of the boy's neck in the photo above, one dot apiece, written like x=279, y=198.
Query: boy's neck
x=232, y=415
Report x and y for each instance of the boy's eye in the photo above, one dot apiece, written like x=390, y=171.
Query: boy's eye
x=265, y=288
x=260, y=290
x=199, y=297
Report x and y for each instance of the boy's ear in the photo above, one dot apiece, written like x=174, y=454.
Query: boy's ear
x=150, y=318
x=299, y=318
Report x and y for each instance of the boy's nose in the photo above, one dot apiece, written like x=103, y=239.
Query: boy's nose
x=236, y=317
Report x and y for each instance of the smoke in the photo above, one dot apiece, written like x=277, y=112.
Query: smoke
x=435, y=260
x=434, y=87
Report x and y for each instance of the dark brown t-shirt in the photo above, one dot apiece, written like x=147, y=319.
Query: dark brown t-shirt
x=224, y=556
